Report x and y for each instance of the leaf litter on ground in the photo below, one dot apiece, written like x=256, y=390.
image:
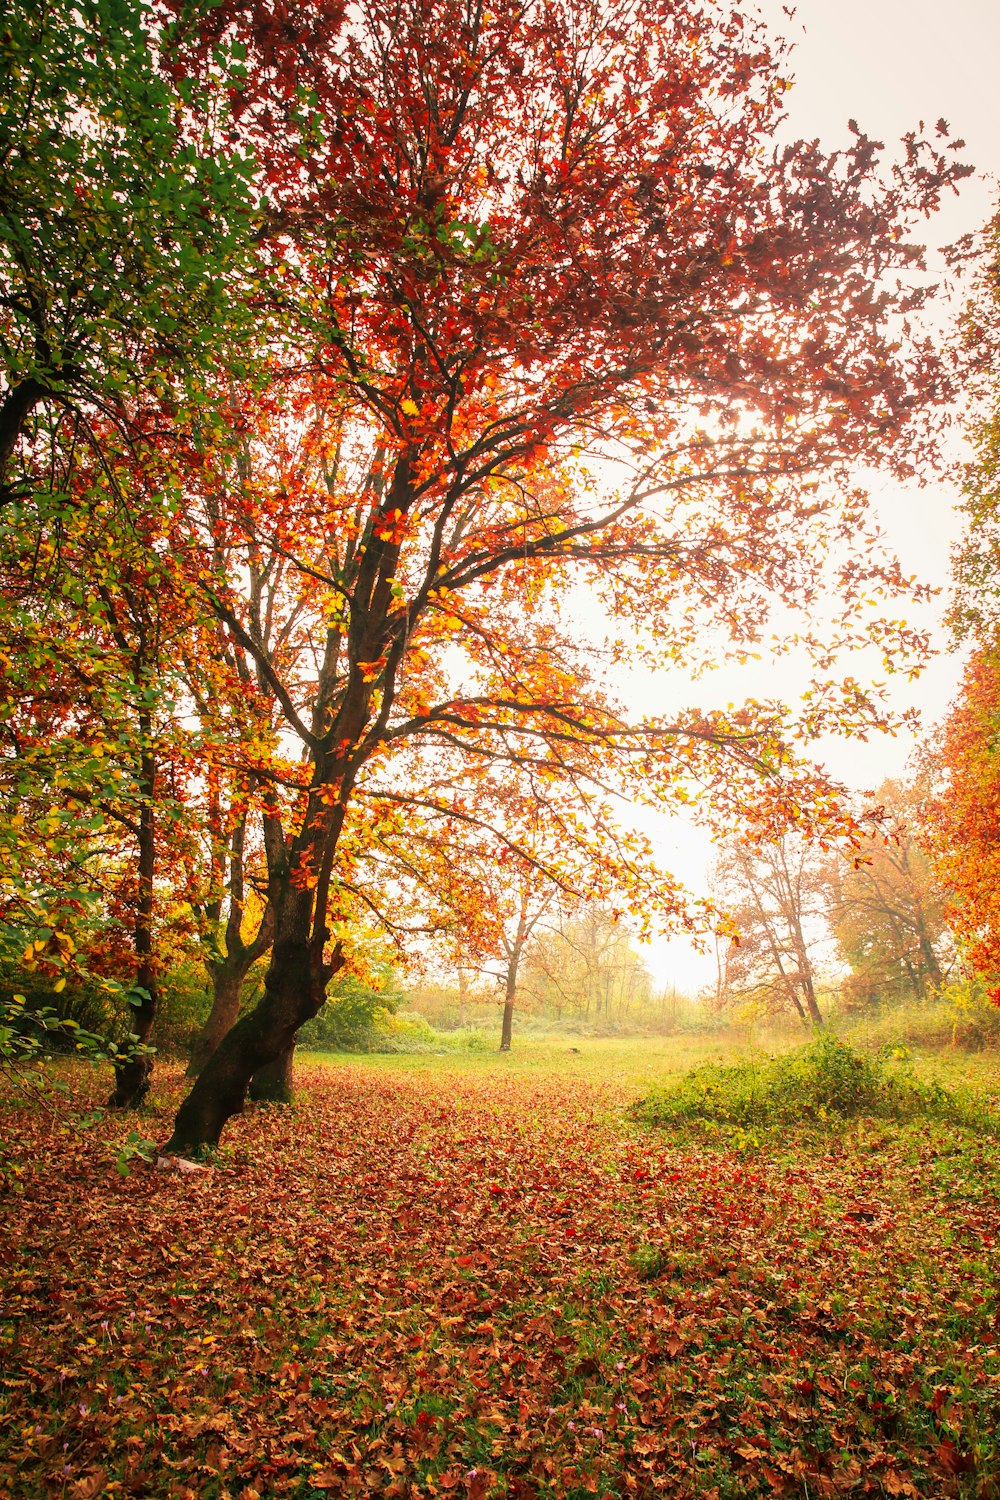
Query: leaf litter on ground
x=436, y=1284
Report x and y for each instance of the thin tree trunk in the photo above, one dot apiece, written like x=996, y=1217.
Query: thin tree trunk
x=815, y=1014
x=931, y=967
x=463, y=985
x=514, y=951
x=507, y=1027
x=133, y=1075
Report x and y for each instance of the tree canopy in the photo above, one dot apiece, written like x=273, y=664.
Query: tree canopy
x=610, y=340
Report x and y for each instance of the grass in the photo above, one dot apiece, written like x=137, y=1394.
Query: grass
x=629, y=1062
x=823, y=1084
x=475, y=1275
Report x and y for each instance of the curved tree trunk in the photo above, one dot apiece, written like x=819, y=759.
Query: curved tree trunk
x=297, y=977
x=507, y=1026
x=294, y=991
x=229, y=974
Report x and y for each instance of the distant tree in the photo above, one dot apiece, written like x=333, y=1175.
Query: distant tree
x=534, y=900
x=887, y=907
x=771, y=893
x=584, y=962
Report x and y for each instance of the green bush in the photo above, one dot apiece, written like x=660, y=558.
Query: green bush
x=185, y=1001
x=356, y=1018
x=84, y=1004
x=410, y=1032
x=824, y=1083
x=961, y=1015
x=475, y=1039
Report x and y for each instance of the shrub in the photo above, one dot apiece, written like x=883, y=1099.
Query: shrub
x=961, y=1015
x=80, y=1004
x=409, y=1032
x=357, y=1017
x=822, y=1084
x=185, y=1001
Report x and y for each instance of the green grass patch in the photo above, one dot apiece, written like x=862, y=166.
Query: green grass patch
x=821, y=1084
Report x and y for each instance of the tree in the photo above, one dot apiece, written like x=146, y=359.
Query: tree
x=529, y=913
x=886, y=907
x=962, y=826
x=125, y=225
x=478, y=861
x=975, y=609
x=770, y=893
x=585, y=962
x=124, y=221
x=91, y=751
x=474, y=300
x=517, y=895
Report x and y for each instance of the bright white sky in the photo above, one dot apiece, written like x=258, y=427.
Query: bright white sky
x=888, y=64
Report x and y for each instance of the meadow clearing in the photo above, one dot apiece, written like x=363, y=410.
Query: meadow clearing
x=480, y=1275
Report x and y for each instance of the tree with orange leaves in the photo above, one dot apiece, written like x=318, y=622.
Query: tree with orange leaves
x=963, y=827
x=551, y=313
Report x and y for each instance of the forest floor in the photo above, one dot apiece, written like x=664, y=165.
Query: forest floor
x=476, y=1277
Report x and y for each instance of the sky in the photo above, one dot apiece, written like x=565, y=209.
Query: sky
x=888, y=64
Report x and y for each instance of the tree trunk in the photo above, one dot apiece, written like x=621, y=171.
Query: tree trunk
x=133, y=1075
x=514, y=951
x=815, y=1014
x=227, y=985
x=272, y=1084
x=508, y=1024
x=229, y=975
x=931, y=967
x=809, y=989
x=295, y=987
x=18, y=404
x=294, y=990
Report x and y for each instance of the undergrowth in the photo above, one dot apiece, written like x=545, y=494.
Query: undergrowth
x=821, y=1084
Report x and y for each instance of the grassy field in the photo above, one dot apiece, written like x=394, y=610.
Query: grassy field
x=477, y=1275
x=629, y=1063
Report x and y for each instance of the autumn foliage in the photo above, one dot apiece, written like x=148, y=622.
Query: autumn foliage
x=964, y=829
x=533, y=308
